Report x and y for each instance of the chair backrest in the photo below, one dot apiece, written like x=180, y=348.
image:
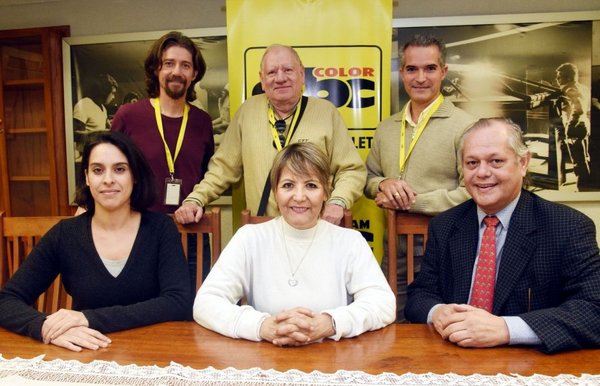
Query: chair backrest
x=246, y=217
x=404, y=224
x=18, y=236
x=210, y=224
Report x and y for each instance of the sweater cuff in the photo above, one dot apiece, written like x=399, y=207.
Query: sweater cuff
x=194, y=200
x=372, y=187
x=342, y=327
x=248, y=324
x=36, y=328
x=337, y=201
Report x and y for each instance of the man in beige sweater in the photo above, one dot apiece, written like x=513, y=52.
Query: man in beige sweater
x=266, y=123
x=413, y=164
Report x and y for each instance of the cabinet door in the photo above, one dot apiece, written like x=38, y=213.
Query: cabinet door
x=26, y=147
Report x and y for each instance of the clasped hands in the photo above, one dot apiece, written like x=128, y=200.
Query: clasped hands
x=395, y=193
x=69, y=329
x=296, y=327
x=468, y=326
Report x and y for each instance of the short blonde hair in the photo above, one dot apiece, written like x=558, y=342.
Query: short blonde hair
x=303, y=159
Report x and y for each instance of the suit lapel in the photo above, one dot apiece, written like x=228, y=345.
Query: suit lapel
x=519, y=247
x=463, y=249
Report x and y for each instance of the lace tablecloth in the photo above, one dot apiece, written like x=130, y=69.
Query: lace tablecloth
x=36, y=371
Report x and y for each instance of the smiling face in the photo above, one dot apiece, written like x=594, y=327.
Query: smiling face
x=281, y=76
x=109, y=177
x=299, y=198
x=493, y=173
x=422, y=74
x=176, y=72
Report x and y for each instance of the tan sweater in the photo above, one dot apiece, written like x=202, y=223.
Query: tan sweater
x=247, y=149
x=433, y=169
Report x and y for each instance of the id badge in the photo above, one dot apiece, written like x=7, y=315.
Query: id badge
x=172, y=191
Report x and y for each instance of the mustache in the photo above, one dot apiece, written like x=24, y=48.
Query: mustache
x=176, y=78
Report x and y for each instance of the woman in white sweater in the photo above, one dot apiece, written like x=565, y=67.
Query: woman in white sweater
x=303, y=278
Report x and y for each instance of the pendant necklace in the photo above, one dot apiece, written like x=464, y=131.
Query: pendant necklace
x=292, y=282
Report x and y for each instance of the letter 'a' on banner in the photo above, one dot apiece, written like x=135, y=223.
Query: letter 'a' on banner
x=345, y=46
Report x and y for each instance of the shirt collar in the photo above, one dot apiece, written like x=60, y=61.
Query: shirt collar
x=503, y=215
x=423, y=113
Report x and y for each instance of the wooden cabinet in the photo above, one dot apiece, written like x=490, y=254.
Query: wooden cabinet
x=32, y=133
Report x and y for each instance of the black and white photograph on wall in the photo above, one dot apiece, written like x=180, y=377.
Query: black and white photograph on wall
x=540, y=76
x=106, y=75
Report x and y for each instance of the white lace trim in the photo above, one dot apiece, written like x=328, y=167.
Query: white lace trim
x=103, y=373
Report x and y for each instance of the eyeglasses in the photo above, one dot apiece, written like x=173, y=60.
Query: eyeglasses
x=280, y=127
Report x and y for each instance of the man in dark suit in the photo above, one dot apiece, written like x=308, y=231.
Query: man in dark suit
x=545, y=274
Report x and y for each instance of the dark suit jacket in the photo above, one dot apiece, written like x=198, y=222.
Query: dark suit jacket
x=550, y=252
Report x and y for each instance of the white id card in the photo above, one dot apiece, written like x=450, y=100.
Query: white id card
x=172, y=191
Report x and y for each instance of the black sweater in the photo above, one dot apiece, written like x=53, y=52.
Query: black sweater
x=153, y=286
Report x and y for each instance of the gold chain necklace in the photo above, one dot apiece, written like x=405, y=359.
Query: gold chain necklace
x=292, y=282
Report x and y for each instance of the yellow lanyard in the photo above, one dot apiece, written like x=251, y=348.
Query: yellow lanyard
x=170, y=158
x=419, y=130
x=290, y=133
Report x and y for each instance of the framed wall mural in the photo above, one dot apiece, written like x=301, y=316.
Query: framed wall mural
x=542, y=71
x=103, y=72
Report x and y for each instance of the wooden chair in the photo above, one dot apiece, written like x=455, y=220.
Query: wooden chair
x=210, y=223
x=247, y=218
x=404, y=224
x=18, y=236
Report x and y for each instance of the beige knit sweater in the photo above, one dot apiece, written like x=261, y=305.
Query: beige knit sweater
x=247, y=150
x=433, y=169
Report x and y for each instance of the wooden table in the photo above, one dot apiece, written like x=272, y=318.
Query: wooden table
x=399, y=348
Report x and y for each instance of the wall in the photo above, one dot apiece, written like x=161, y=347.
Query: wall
x=88, y=17
x=93, y=17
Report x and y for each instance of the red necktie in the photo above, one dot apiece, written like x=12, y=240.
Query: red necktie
x=482, y=295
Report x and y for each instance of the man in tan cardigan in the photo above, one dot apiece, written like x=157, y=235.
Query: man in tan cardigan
x=266, y=123
x=413, y=164
x=427, y=179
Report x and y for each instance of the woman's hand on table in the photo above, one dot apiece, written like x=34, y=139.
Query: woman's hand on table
x=80, y=337
x=296, y=327
x=59, y=322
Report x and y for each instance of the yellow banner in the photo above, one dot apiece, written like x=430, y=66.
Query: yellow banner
x=345, y=46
